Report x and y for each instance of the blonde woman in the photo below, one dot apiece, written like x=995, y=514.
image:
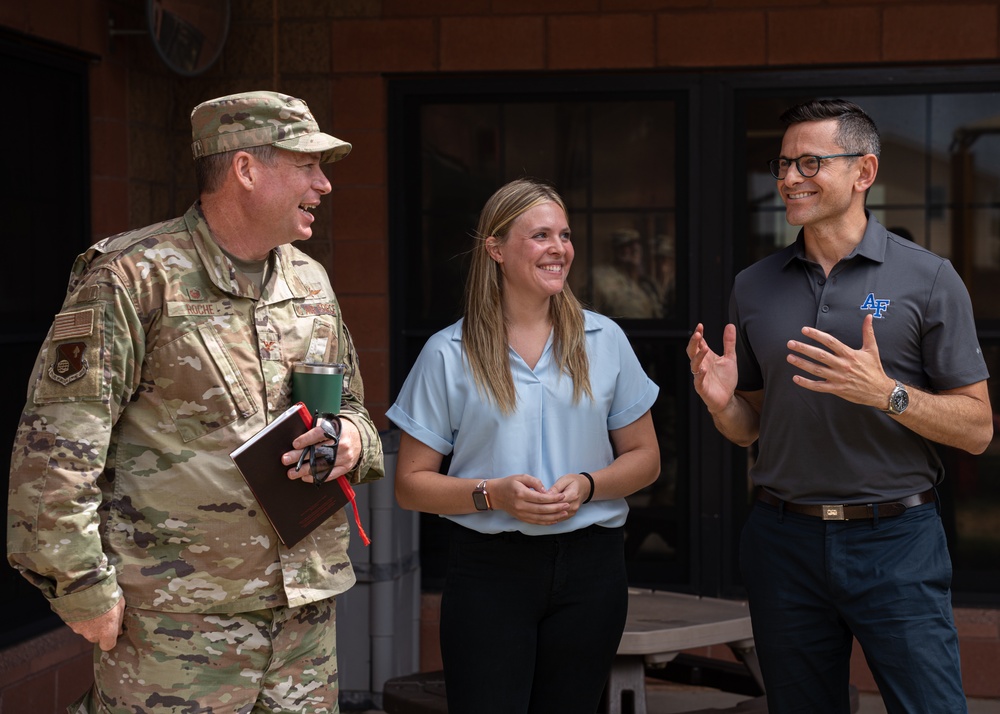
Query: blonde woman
x=544, y=410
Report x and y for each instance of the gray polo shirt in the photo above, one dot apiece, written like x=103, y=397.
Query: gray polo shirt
x=819, y=448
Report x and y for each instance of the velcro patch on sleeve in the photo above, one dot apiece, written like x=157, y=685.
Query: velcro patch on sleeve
x=78, y=323
x=70, y=363
x=73, y=369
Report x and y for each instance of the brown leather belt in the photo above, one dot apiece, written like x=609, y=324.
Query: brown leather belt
x=848, y=512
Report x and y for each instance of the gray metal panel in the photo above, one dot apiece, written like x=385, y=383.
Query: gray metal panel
x=378, y=620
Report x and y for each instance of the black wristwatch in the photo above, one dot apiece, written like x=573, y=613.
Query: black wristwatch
x=899, y=399
x=481, y=499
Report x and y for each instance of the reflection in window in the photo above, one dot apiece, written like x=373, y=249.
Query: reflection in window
x=638, y=280
x=613, y=163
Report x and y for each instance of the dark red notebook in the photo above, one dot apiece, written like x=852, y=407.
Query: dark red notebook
x=294, y=507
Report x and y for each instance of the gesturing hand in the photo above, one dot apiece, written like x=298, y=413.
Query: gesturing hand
x=854, y=375
x=715, y=376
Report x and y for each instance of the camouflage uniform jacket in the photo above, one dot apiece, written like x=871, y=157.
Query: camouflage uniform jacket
x=162, y=360
x=618, y=295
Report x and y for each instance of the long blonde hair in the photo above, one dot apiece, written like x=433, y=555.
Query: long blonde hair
x=484, y=330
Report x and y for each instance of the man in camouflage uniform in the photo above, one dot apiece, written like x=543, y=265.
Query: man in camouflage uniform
x=622, y=290
x=173, y=347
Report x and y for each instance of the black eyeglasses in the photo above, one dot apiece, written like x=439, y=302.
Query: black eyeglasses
x=807, y=165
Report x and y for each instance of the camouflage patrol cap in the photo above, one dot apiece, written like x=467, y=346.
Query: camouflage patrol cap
x=239, y=121
x=663, y=246
x=625, y=236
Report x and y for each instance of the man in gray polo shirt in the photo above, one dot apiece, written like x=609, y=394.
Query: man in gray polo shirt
x=850, y=352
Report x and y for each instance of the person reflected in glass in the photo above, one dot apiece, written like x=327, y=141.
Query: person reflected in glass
x=544, y=410
x=622, y=289
x=851, y=353
x=664, y=276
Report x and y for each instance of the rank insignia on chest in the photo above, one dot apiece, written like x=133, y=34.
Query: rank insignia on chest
x=70, y=363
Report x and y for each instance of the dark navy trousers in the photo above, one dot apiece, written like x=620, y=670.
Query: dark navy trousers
x=814, y=585
x=531, y=624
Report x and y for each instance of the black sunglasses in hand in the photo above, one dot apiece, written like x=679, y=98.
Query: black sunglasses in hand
x=330, y=424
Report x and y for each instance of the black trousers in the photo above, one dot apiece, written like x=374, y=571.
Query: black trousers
x=531, y=624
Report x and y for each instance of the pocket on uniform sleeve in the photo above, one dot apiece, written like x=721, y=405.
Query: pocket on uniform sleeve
x=323, y=342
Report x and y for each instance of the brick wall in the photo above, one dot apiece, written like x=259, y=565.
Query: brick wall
x=336, y=54
x=46, y=674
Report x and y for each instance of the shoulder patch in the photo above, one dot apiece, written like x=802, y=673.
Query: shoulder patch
x=77, y=323
x=70, y=363
x=73, y=369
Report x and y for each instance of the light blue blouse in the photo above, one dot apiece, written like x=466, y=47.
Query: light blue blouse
x=547, y=437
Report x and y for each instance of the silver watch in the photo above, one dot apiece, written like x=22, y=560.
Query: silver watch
x=899, y=399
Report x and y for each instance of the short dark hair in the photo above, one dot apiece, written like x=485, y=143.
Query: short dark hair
x=856, y=131
x=211, y=169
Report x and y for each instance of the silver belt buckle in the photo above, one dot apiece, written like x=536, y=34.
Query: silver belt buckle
x=833, y=513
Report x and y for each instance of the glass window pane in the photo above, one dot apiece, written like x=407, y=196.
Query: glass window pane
x=973, y=519
x=548, y=141
x=634, y=266
x=657, y=544
x=460, y=145
x=902, y=170
x=965, y=148
x=981, y=269
x=634, y=156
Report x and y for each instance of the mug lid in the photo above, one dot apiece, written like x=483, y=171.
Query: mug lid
x=319, y=367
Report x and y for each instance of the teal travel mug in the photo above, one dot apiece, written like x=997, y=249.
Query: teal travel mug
x=318, y=385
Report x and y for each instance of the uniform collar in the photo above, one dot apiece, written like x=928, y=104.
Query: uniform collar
x=283, y=283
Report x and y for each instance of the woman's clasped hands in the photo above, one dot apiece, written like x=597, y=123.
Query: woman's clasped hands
x=526, y=498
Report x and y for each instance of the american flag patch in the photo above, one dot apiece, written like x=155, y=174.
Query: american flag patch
x=73, y=324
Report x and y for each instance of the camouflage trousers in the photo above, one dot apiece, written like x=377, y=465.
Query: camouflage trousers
x=276, y=660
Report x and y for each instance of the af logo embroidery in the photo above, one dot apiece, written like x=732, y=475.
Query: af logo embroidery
x=70, y=363
x=876, y=305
